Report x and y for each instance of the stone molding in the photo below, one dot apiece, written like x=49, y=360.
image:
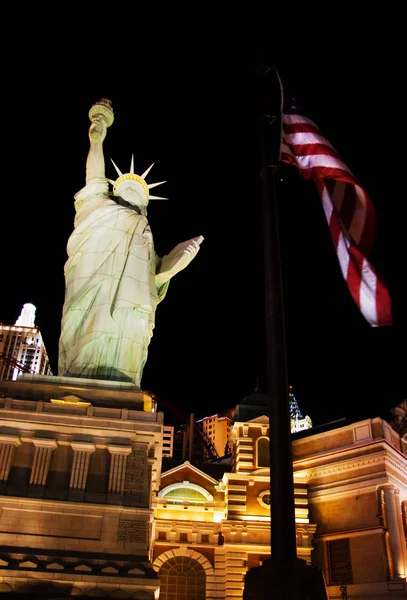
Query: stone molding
x=162, y=558
x=346, y=466
x=44, y=443
x=354, y=533
x=117, y=449
x=83, y=447
x=10, y=439
x=341, y=467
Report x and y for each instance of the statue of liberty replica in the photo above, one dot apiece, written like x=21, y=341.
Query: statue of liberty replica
x=114, y=279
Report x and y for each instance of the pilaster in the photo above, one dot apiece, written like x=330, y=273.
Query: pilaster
x=40, y=467
x=399, y=514
x=395, y=529
x=80, y=469
x=8, y=445
x=117, y=473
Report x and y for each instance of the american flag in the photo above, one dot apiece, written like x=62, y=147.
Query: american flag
x=348, y=210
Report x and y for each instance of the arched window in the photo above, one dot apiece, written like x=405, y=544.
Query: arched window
x=263, y=457
x=182, y=578
x=185, y=492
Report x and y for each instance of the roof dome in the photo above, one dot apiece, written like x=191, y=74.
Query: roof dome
x=254, y=405
x=256, y=399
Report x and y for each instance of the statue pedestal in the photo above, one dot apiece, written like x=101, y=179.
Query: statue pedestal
x=81, y=461
x=71, y=390
x=284, y=581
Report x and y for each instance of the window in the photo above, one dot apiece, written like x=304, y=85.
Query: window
x=205, y=538
x=182, y=494
x=185, y=492
x=264, y=499
x=182, y=578
x=162, y=535
x=183, y=537
x=339, y=563
x=263, y=458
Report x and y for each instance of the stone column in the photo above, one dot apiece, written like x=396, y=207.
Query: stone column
x=234, y=577
x=215, y=584
x=395, y=530
x=40, y=467
x=80, y=468
x=399, y=513
x=8, y=445
x=117, y=474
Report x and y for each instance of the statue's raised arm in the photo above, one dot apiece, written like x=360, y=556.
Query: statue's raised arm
x=101, y=116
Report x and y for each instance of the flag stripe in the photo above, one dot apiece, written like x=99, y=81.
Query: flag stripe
x=348, y=210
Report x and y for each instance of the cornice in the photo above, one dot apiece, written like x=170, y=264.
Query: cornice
x=386, y=457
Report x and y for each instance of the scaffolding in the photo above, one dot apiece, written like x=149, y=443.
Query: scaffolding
x=8, y=360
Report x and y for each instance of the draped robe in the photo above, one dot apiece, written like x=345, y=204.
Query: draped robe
x=110, y=290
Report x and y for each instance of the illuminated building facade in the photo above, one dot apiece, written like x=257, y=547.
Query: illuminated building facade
x=350, y=482
x=22, y=348
x=77, y=477
x=213, y=523
x=89, y=506
x=217, y=430
x=356, y=476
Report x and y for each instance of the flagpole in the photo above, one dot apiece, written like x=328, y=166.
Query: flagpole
x=283, y=530
x=284, y=575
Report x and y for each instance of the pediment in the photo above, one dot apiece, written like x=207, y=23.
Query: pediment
x=136, y=571
x=82, y=567
x=27, y=564
x=181, y=473
x=55, y=566
x=110, y=569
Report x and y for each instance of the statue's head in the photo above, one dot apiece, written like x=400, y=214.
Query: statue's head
x=133, y=188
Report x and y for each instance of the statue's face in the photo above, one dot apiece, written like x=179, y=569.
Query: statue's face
x=131, y=194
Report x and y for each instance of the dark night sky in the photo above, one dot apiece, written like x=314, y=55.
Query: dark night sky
x=184, y=90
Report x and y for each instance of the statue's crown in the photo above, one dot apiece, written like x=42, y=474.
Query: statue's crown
x=142, y=187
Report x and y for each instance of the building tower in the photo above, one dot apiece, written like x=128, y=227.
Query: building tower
x=22, y=348
x=298, y=422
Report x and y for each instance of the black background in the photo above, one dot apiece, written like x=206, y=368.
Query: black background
x=182, y=79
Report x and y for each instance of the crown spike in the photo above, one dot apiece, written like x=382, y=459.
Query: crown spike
x=117, y=168
x=157, y=198
x=132, y=164
x=111, y=181
x=153, y=185
x=144, y=175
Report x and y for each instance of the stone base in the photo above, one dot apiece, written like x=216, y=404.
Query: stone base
x=285, y=581
x=80, y=461
x=75, y=389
